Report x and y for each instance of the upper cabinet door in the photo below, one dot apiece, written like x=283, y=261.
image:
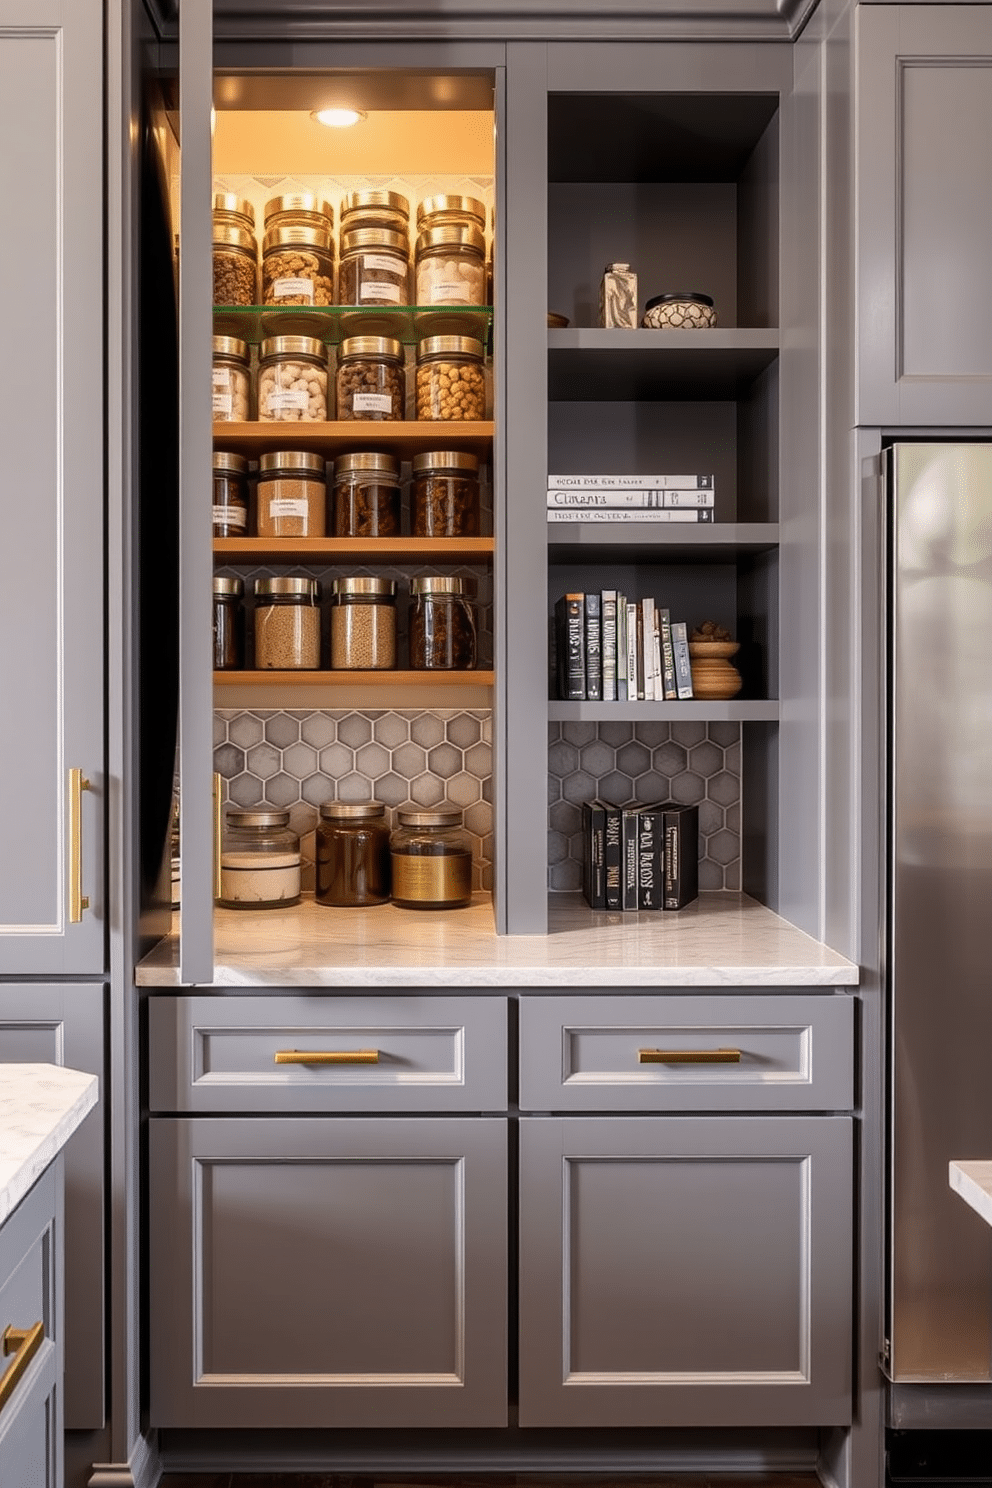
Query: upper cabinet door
x=52, y=898
x=924, y=235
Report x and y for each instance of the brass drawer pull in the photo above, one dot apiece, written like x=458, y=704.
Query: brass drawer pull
x=23, y=1343
x=78, y=901
x=688, y=1056
x=327, y=1056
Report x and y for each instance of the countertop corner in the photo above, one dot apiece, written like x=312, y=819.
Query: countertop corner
x=41, y=1105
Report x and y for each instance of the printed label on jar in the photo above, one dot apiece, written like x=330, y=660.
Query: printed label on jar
x=283, y=398
x=377, y=289
x=288, y=506
x=230, y=516
x=286, y=289
x=432, y=880
x=381, y=262
x=223, y=403
x=372, y=403
x=455, y=289
x=222, y=377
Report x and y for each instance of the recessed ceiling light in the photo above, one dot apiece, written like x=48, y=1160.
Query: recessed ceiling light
x=337, y=118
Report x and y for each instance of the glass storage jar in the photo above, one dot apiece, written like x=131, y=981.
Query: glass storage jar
x=383, y=209
x=366, y=496
x=229, y=625
x=291, y=494
x=370, y=383
x=431, y=859
x=287, y=624
x=363, y=624
x=374, y=269
x=259, y=861
x=297, y=266
x=292, y=380
x=451, y=383
x=231, y=380
x=352, y=854
x=230, y=503
x=235, y=258
x=298, y=209
x=233, y=211
x=442, y=625
x=451, y=211
x=451, y=266
x=444, y=494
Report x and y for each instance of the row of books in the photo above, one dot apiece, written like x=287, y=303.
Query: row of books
x=640, y=856
x=631, y=498
x=610, y=648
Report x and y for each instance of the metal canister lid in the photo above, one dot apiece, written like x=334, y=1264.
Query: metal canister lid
x=387, y=467
x=371, y=346
x=360, y=238
x=442, y=584
x=468, y=206
x=297, y=201
x=292, y=346
x=438, y=816
x=226, y=203
x=373, y=588
x=300, y=588
x=231, y=463
x=355, y=201
x=445, y=460
x=225, y=236
x=351, y=810
x=257, y=818
x=449, y=346
x=230, y=346
x=222, y=586
x=297, y=237
x=298, y=461
x=452, y=235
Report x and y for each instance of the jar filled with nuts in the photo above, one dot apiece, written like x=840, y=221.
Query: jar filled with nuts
x=451, y=211
x=375, y=268
x=235, y=259
x=451, y=266
x=450, y=381
x=442, y=625
x=366, y=496
x=444, y=495
x=386, y=209
x=287, y=624
x=230, y=503
x=298, y=209
x=292, y=494
x=231, y=380
x=292, y=380
x=363, y=624
x=370, y=382
x=297, y=266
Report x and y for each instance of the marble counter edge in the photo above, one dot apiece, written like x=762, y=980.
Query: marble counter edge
x=416, y=978
x=41, y=1105
x=973, y=1182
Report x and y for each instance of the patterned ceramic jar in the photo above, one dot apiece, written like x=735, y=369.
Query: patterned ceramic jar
x=682, y=310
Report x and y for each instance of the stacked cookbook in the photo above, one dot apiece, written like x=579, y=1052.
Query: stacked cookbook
x=610, y=649
x=630, y=498
x=639, y=856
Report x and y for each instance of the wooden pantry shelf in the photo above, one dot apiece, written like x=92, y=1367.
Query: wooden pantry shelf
x=353, y=679
x=402, y=438
x=423, y=691
x=366, y=550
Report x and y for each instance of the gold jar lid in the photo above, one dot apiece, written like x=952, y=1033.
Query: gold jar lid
x=351, y=810
x=445, y=460
x=371, y=346
x=438, y=816
x=233, y=237
x=368, y=587
x=360, y=238
x=297, y=237
x=467, y=206
x=292, y=460
x=446, y=584
x=385, y=466
x=290, y=346
x=453, y=235
x=230, y=346
x=294, y=588
x=355, y=201
x=257, y=818
x=234, y=587
x=226, y=204
x=297, y=201
x=449, y=346
x=231, y=463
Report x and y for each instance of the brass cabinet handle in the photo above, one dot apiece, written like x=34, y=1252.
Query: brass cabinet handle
x=78, y=901
x=23, y=1343
x=688, y=1056
x=217, y=834
x=327, y=1056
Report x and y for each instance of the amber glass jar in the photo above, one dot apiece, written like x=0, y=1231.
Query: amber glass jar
x=444, y=495
x=352, y=854
x=366, y=496
x=230, y=503
x=442, y=625
x=229, y=625
x=431, y=859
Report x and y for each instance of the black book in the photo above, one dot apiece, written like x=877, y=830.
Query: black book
x=594, y=647
x=593, y=860
x=629, y=816
x=681, y=854
x=650, y=857
x=570, y=643
x=612, y=856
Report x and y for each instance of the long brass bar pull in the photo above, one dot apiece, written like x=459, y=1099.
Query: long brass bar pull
x=23, y=1343
x=218, y=791
x=78, y=901
x=688, y=1056
x=327, y=1056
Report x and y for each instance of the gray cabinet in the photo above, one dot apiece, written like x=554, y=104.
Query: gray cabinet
x=924, y=233
x=51, y=433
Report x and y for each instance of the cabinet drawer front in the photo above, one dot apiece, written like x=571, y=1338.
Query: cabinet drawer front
x=31, y=1293
x=688, y=1053
x=379, y=1054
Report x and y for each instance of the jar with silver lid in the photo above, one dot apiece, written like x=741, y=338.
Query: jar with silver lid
x=298, y=209
x=370, y=383
x=376, y=209
x=375, y=268
x=363, y=624
x=229, y=624
x=297, y=266
x=442, y=625
x=231, y=380
x=451, y=266
x=444, y=494
x=366, y=496
x=287, y=624
x=235, y=261
x=451, y=211
x=230, y=499
x=451, y=383
x=260, y=866
x=292, y=380
x=291, y=494
x=352, y=854
x=431, y=859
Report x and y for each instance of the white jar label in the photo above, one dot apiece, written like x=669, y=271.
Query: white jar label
x=377, y=289
x=230, y=516
x=223, y=404
x=372, y=403
x=288, y=506
x=286, y=289
x=453, y=289
x=282, y=398
x=383, y=263
x=221, y=377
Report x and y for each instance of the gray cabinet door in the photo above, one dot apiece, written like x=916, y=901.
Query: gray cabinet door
x=685, y=1272
x=64, y=1025
x=51, y=434
x=924, y=235
x=327, y=1272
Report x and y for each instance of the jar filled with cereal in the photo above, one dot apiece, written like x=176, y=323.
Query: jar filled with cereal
x=297, y=266
x=231, y=380
x=287, y=624
x=363, y=624
x=366, y=495
x=292, y=494
x=444, y=494
x=292, y=380
x=451, y=383
x=235, y=261
x=370, y=382
x=375, y=268
x=451, y=266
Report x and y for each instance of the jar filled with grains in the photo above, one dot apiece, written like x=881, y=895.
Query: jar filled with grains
x=375, y=268
x=298, y=209
x=363, y=624
x=291, y=494
x=292, y=380
x=451, y=266
x=383, y=209
x=231, y=380
x=366, y=496
x=230, y=503
x=260, y=864
x=352, y=854
x=451, y=211
x=451, y=383
x=431, y=859
x=442, y=625
x=370, y=383
x=444, y=495
x=297, y=266
x=235, y=259
x=229, y=625
x=287, y=624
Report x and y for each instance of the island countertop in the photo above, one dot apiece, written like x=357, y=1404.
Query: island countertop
x=973, y=1181
x=41, y=1105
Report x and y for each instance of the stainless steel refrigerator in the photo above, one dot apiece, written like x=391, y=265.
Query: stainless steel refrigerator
x=939, y=880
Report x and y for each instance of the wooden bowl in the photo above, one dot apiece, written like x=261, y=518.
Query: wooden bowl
x=713, y=676
x=714, y=650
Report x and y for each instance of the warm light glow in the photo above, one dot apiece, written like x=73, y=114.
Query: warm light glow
x=337, y=118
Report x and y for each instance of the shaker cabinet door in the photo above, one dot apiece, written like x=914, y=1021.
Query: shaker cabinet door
x=51, y=434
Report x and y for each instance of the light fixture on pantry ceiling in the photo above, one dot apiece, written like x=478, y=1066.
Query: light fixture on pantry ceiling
x=338, y=118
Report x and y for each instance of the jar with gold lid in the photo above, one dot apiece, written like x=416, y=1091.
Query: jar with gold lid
x=298, y=209
x=370, y=383
x=444, y=494
x=291, y=494
x=450, y=380
x=363, y=624
x=431, y=859
x=235, y=264
x=443, y=632
x=230, y=498
x=260, y=861
x=375, y=209
x=287, y=624
x=297, y=266
x=375, y=268
x=231, y=380
x=366, y=495
x=352, y=854
x=451, y=211
x=233, y=211
x=292, y=380
x=451, y=266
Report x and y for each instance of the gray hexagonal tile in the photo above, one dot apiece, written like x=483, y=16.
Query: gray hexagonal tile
x=687, y=788
x=464, y=789
x=392, y=789
x=615, y=788
x=228, y=760
x=554, y=789
x=282, y=729
x=578, y=734
x=651, y=787
x=336, y=760
x=724, y=733
x=563, y=758
x=732, y=758
x=282, y=790
x=688, y=733
x=391, y=730
x=723, y=847
x=565, y=876
x=633, y=759
x=427, y=730
x=479, y=819
x=445, y=760
x=706, y=758
x=354, y=787
x=557, y=847
x=318, y=730
x=597, y=758
x=245, y=792
x=317, y=789
x=652, y=734
x=263, y=761
x=488, y=791
x=723, y=788
x=220, y=728
x=409, y=760
x=299, y=760
x=426, y=790
x=578, y=787
x=710, y=875
x=732, y=818
x=486, y=724
x=354, y=730
x=710, y=818
x=244, y=729
x=566, y=817
x=479, y=759
x=464, y=730
x=669, y=760
x=302, y=820
x=732, y=876
x=616, y=734
x=373, y=760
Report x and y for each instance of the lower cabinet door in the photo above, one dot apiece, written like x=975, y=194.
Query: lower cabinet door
x=327, y=1271
x=685, y=1271
x=31, y=1426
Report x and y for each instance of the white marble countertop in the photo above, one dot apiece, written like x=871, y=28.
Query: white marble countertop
x=40, y=1107
x=973, y=1181
x=721, y=940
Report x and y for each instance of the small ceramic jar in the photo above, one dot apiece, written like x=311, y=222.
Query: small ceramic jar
x=682, y=310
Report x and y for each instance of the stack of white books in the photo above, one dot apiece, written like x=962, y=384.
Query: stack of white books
x=630, y=498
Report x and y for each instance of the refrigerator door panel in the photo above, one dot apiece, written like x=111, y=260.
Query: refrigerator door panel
x=940, y=887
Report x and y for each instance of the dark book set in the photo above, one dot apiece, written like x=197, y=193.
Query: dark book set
x=639, y=856
x=612, y=649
